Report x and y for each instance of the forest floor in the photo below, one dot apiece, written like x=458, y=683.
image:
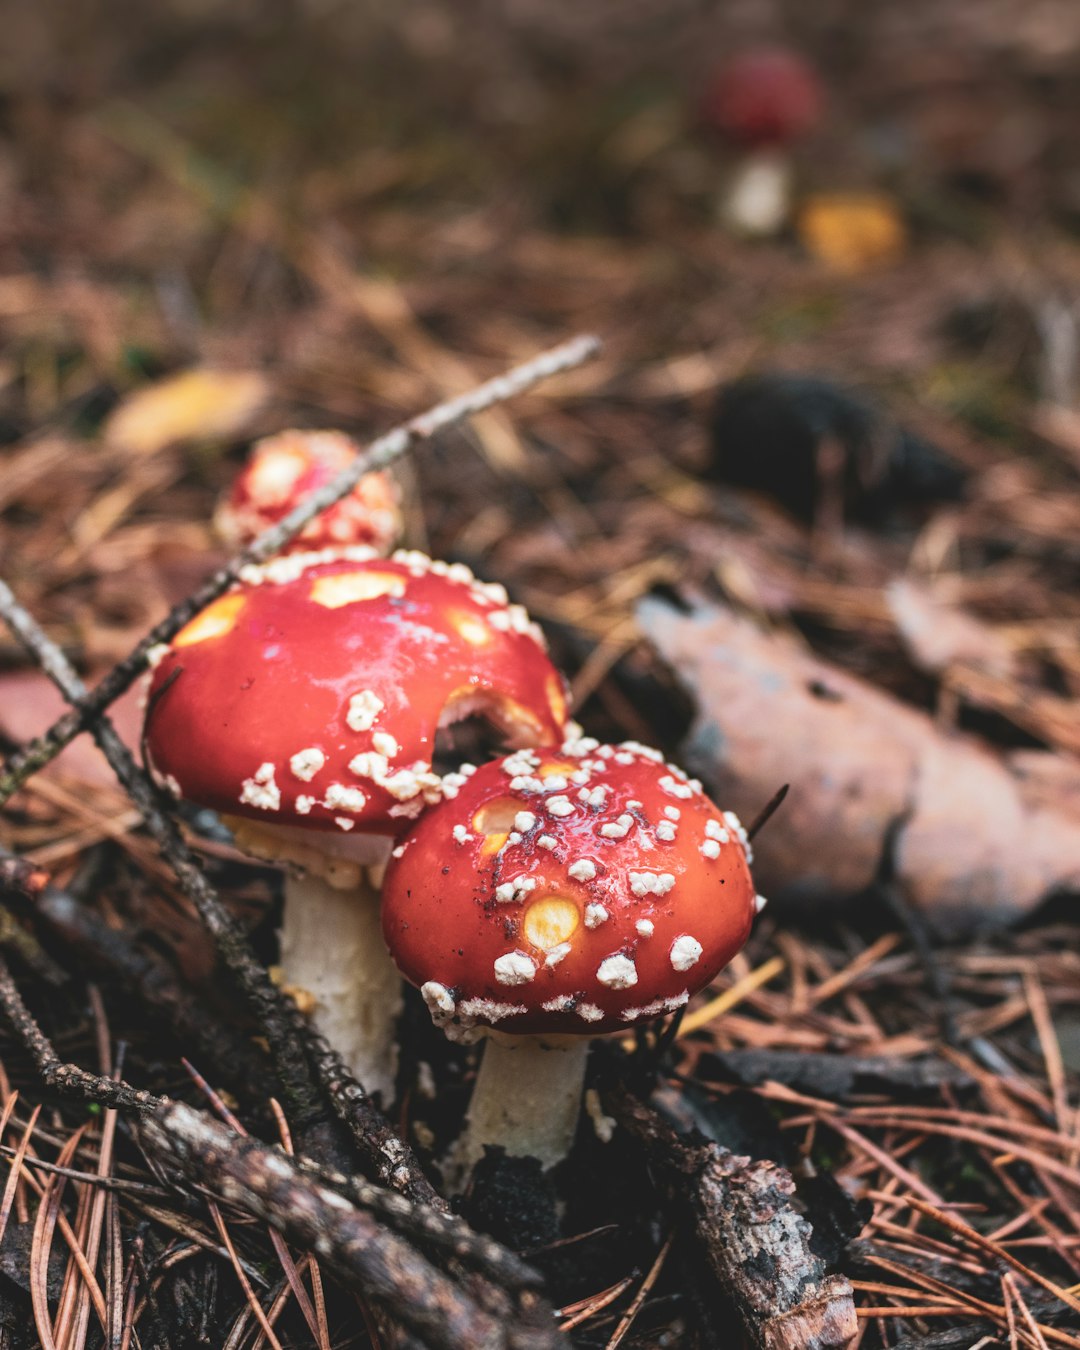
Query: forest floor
x=354, y=219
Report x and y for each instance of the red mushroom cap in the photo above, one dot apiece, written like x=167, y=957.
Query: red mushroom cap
x=568, y=890
x=284, y=469
x=311, y=693
x=769, y=96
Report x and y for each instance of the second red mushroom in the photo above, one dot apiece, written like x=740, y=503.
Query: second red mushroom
x=562, y=894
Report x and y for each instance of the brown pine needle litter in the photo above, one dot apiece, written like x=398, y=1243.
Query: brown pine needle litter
x=805, y=1011
x=181, y=274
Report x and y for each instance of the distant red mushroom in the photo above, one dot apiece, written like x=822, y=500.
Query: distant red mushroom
x=304, y=705
x=762, y=102
x=284, y=469
x=561, y=894
x=764, y=96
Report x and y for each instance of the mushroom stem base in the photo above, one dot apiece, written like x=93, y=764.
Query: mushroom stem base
x=527, y=1099
x=332, y=949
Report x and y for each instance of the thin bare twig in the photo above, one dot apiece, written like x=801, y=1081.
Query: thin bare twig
x=768, y=811
x=389, y=1159
x=265, y=1182
x=278, y=1017
x=68, y=1079
x=300, y=1205
x=379, y=454
x=444, y=1234
x=440, y=1232
x=65, y=926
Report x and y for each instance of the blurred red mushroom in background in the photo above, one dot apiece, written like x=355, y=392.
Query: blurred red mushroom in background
x=304, y=705
x=761, y=103
x=562, y=894
x=282, y=470
x=765, y=96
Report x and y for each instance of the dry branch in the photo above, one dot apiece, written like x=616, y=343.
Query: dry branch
x=305, y=1206
x=421, y=1222
x=68, y=928
x=264, y=1182
x=418, y=1212
x=67, y=1079
x=278, y=1017
x=756, y=1244
x=387, y=1157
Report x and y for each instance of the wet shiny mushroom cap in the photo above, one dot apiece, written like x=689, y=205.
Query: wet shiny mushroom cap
x=570, y=890
x=284, y=469
x=311, y=694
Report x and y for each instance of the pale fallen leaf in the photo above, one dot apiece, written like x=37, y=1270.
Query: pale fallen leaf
x=975, y=845
x=852, y=232
x=1060, y=426
x=200, y=404
x=30, y=704
x=1047, y=779
x=937, y=635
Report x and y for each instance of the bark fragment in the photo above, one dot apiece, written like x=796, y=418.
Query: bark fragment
x=757, y=1245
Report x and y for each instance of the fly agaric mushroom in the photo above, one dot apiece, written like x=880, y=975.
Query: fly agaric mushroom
x=762, y=102
x=561, y=894
x=304, y=706
x=284, y=469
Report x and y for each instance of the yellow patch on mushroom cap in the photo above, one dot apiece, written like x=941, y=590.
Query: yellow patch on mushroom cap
x=560, y=769
x=214, y=621
x=556, y=701
x=494, y=821
x=550, y=922
x=473, y=630
x=347, y=588
x=273, y=474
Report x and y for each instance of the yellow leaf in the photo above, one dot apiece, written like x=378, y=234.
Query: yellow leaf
x=851, y=232
x=199, y=404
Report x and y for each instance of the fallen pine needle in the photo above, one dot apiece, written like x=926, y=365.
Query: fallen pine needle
x=585, y=1308
x=642, y=1294
x=731, y=997
x=245, y=1283
x=965, y=1231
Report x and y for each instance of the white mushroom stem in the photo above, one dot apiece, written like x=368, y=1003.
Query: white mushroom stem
x=756, y=200
x=332, y=949
x=527, y=1099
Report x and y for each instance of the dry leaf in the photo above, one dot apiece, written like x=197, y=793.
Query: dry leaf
x=202, y=404
x=975, y=844
x=852, y=232
x=937, y=635
x=30, y=704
